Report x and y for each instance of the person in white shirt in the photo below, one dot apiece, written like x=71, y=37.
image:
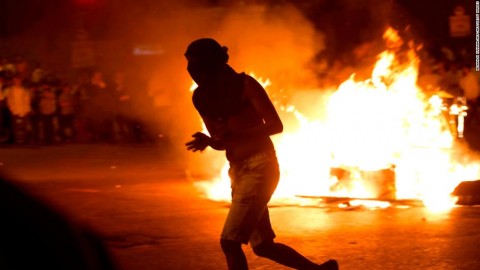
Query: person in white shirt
x=19, y=104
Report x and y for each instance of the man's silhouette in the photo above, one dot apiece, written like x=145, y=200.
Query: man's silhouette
x=240, y=118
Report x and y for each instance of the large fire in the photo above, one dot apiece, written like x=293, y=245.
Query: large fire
x=381, y=138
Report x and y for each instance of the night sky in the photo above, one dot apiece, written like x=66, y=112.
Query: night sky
x=350, y=21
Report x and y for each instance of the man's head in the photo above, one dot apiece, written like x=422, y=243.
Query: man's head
x=205, y=58
x=207, y=50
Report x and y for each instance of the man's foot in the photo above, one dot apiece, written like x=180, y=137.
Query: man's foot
x=329, y=265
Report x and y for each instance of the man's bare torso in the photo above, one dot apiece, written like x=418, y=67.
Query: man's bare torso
x=231, y=130
x=240, y=147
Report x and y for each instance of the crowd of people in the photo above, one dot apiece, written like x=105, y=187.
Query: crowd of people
x=39, y=107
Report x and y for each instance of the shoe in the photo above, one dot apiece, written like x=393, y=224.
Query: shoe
x=329, y=265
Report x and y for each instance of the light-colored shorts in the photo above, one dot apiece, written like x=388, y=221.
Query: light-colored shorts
x=253, y=181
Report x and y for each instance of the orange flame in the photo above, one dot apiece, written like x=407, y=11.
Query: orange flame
x=383, y=135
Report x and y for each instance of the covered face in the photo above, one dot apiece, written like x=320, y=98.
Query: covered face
x=205, y=58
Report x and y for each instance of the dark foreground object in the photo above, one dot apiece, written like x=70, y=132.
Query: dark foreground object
x=34, y=236
x=468, y=193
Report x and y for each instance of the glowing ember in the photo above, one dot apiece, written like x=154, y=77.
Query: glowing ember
x=379, y=138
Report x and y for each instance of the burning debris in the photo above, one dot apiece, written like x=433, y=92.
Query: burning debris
x=468, y=193
x=380, y=182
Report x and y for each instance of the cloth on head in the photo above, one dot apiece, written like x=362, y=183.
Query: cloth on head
x=207, y=49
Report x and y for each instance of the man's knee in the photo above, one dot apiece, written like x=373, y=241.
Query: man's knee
x=230, y=247
x=264, y=249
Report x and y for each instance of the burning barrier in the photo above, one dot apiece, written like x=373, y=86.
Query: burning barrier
x=382, y=138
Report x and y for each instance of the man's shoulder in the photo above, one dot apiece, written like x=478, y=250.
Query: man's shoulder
x=198, y=96
x=251, y=84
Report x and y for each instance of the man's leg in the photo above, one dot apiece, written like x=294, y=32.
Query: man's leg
x=236, y=259
x=264, y=246
x=287, y=256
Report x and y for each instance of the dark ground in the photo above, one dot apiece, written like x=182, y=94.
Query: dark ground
x=151, y=217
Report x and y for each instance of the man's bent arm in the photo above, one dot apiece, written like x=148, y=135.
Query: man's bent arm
x=216, y=136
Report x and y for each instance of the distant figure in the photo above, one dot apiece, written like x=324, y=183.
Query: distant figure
x=4, y=134
x=125, y=124
x=19, y=104
x=48, y=109
x=101, y=111
x=471, y=90
x=240, y=119
x=66, y=113
x=451, y=79
x=83, y=111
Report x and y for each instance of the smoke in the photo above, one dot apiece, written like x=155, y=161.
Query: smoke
x=273, y=42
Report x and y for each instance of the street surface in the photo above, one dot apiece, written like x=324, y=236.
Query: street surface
x=151, y=216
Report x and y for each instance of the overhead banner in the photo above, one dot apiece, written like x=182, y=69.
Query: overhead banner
x=460, y=26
